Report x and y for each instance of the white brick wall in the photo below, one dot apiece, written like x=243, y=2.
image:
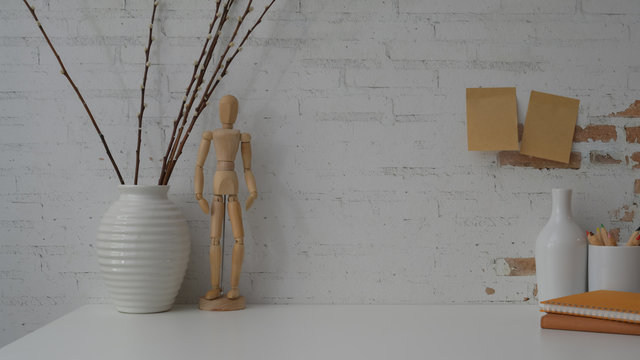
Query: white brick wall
x=367, y=191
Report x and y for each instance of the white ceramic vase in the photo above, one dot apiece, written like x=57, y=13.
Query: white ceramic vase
x=143, y=249
x=561, y=252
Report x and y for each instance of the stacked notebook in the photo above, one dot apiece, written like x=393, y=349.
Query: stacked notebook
x=605, y=311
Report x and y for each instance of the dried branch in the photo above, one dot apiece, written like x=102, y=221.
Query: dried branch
x=210, y=88
x=143, y=106
x=223, y=19
x=64, y=72
x=239, y=48
x=196, y=64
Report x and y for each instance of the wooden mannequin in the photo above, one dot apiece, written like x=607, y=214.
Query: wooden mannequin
x=226, y=141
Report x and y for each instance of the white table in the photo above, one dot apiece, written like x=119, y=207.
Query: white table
x=317, y=332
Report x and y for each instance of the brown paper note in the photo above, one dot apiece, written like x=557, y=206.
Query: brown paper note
x=492, y=119
x=548, y=129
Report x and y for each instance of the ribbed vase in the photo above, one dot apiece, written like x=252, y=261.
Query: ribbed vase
x=143, y=249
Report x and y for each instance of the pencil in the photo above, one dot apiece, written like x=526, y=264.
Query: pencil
x=599, y=237
x=594, y=239
x=608, y=241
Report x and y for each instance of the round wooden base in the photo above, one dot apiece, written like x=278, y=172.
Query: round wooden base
x=222, y=304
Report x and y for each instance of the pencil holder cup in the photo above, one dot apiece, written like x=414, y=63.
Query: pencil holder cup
x=614, y=268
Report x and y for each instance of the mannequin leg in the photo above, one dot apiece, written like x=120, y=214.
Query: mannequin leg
x=215, y=250
x=235, y=214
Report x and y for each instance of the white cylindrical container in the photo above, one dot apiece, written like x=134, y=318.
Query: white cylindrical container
x=143, y=249
x=561, y=252
x=614, y=268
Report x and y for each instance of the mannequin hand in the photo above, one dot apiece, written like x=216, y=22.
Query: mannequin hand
x=204, y=205
x=252, y=197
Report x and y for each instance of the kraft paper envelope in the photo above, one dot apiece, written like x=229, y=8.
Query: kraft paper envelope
x=492, y=119
x=549, y=126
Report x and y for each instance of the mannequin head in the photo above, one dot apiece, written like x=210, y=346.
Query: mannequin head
x=228, y=111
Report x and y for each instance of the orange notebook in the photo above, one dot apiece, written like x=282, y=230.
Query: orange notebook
x=580, y=323
x=601, y=304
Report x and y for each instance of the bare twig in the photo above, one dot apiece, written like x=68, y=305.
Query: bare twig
x=210, y=88
x=143, y=106
x=64, y=72
x=196, y=64
x=238, y=49
x=223, y=19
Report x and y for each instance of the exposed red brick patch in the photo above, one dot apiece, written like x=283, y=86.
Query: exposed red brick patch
x=598, y=157
x=636, y=187
x=624, y=214
x=520, y=131
x=520, y=266
x=490, y=291
x=604, y=133
x=633, y=134
x=632, y=111
x=514, y=158
x=636, y=157
x=615, y=234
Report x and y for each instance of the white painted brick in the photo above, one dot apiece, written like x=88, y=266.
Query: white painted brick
x=567, y=31
x=78, y=55
x=385, y=78
x=539, y=6
x=360, y=7
x=25, y=134
x=497, y=31
x=624, y=7
x=117, y=80
x=634, y=81
x=404, y=29
x=346, y=108
x=33, y=80
x=449, y=6
x=422, y=104
x=606, y=54
x=85, y=80
x=171, y=5
x=27, y=27
x=18, y=55
x=568, y=79
x=513, y=53
x=113, y=26
x=464, y=78
x=178, y=55
x=345, y=50
x=196, y=27
x=19, y=5
x=7, y=185
x=86, y=4
x=635, y=32
x=428, y=50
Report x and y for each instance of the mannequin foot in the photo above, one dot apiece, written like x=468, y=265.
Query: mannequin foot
x=213, y=294
x=233, y=294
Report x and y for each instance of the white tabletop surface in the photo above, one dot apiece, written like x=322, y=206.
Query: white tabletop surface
x=317, y=332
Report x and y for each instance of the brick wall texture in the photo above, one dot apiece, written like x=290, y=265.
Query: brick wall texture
x=357, y=111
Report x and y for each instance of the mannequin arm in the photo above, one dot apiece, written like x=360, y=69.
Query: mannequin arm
x=198, y=180
x=245, y=148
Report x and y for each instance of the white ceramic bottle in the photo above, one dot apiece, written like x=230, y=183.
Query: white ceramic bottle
x=561, y=252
